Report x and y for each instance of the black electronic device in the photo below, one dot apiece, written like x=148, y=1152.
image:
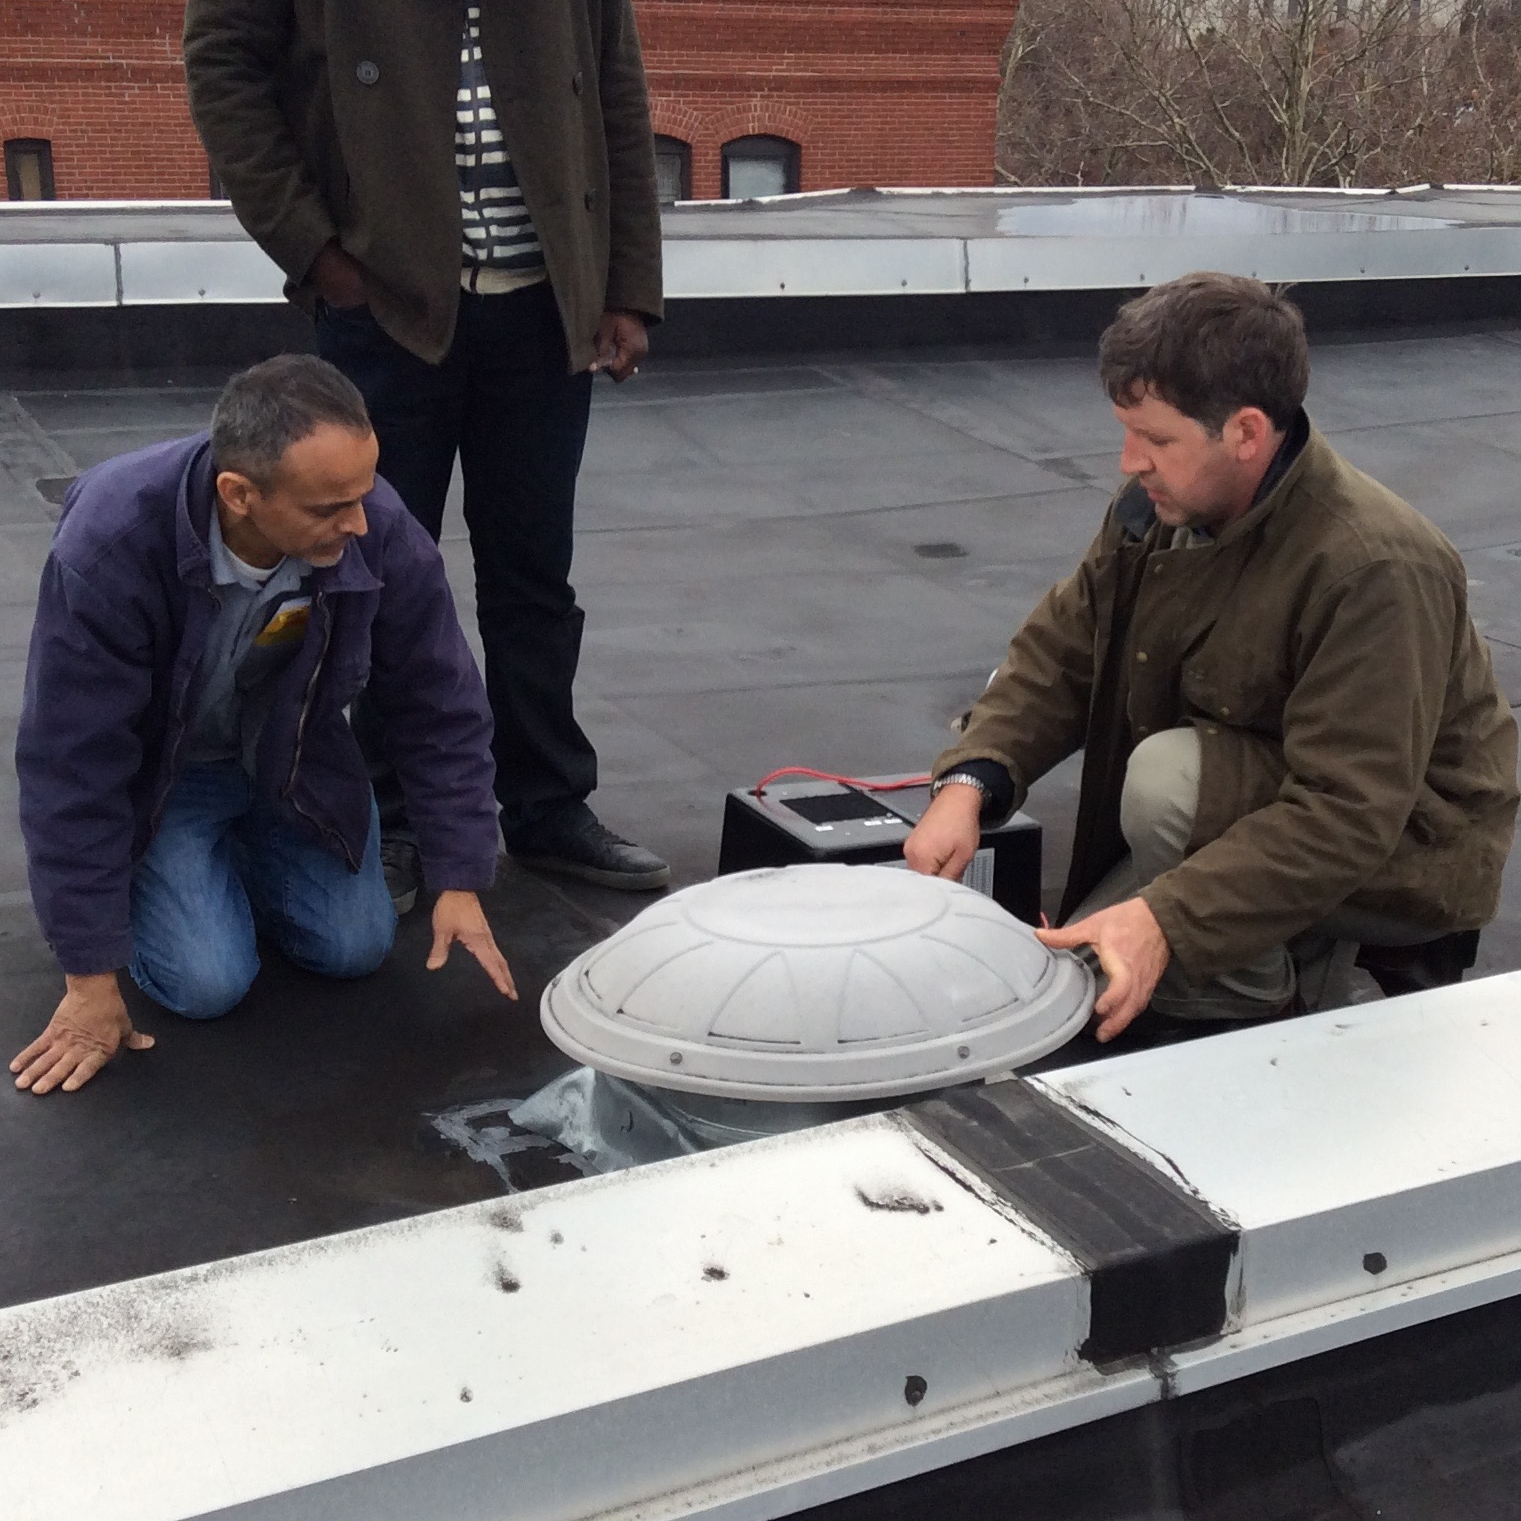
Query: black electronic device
x=793, y=822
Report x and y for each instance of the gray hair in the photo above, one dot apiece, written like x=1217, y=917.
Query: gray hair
x=264, y=410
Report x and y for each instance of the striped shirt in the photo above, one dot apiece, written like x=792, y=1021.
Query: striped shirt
x=499, y=233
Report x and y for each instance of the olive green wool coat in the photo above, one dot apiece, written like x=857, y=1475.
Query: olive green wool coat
x=335, y=119
x=1356, y=747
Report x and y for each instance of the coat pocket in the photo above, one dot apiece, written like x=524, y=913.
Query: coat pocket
x=1240, y=772
x=1250, y=696
x=1435, y=820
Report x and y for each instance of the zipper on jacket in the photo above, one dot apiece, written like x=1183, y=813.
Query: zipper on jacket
x=157, y=816
x=306, y=709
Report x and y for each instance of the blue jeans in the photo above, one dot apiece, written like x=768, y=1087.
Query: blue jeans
x=222, y=862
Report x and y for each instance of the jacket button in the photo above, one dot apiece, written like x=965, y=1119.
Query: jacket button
x=577, y=83
x=1141, y=657
x=366, y=71
x=590, y=199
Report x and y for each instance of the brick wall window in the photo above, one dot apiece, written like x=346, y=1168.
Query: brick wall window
x=756, y=166
x=673, y=169
x=29, y=169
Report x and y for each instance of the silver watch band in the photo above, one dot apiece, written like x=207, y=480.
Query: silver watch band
x=962, y=779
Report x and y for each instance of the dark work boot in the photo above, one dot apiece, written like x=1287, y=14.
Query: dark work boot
x=576, y=843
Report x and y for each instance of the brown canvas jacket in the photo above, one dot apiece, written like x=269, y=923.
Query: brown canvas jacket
x=335, y=118
x=1356, y=746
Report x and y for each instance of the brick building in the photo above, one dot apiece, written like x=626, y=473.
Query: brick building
x=749, y=98
x=92, y=101
x=879, y=92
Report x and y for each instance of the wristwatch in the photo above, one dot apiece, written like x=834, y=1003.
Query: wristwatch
x=960, y=779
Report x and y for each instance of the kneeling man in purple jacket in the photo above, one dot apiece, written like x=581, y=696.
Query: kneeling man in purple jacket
x=188, y=776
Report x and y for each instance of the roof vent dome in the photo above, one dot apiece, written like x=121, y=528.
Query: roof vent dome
x=817, y=983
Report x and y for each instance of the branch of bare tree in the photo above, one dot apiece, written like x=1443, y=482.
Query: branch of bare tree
x=1294, y=92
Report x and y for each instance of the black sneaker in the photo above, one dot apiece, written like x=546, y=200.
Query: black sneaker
x=403, y=868
x=577, y=843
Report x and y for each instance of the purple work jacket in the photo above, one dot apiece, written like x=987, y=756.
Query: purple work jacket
x=111, y=684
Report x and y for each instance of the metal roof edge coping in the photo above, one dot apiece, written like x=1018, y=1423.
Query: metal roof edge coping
x=745, y=1332
x=844, y=243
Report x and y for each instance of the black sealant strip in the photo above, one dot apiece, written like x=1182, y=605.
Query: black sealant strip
x=1157, y=1257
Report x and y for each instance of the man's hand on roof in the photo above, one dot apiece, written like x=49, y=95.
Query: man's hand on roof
x=946, y=838
x=1133, y=952
x=459, y=916
x=88, y=1028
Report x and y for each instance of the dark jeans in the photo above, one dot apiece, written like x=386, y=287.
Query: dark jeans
x=502, y=400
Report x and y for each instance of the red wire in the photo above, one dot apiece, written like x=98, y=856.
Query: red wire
x=844, y=781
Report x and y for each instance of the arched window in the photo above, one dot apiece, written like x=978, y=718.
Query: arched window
x=673, y=169
x=29, y=169
x=756, y=166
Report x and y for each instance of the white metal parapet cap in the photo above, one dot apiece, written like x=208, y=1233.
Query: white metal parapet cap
x=748, y=1332
x=846, y=243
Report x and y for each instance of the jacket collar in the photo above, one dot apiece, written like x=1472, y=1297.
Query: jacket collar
x=1289, y=450
x=1134, y=512
x=1299, y=444
x=1136, y=515
x=192, y=534
x=192, y=516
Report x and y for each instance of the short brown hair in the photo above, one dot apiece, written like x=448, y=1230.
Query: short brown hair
x=1209, y=344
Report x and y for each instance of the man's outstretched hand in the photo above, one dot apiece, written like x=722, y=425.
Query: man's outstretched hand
x=1131, y=949
x=88, y=1028
x=946, y=838
x=459, y=916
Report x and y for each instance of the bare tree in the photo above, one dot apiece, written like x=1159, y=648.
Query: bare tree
x=1289, y=92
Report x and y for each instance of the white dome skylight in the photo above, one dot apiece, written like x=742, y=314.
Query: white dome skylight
x=817, y=982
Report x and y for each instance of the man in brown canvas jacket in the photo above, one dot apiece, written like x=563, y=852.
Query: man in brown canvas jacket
x=463, y=196
x=1294, y=741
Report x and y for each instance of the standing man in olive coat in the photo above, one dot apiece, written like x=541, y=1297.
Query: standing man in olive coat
x=1294, y=740
x=463, y=196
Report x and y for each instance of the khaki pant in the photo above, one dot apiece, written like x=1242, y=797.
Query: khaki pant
x=1157, y=811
